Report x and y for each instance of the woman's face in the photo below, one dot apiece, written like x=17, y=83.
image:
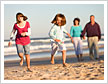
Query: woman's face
x=59, y=20
x=76, y=22
x=20, y=18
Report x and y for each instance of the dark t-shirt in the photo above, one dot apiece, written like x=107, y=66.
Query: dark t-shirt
x=92, y=30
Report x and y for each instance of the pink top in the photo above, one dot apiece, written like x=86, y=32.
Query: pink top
x=20, y=39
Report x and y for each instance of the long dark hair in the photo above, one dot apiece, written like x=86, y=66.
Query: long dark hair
x=77, y=20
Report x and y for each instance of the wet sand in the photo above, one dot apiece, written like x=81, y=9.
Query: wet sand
x=42, y=69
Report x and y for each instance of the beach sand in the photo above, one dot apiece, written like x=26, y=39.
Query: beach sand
x=42, y=69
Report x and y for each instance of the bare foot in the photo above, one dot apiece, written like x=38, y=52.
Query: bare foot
x=29, y=70
x=64, y=64
x=52, y=62
x=21, y=62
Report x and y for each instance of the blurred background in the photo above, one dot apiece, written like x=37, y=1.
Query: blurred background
x=40, y=17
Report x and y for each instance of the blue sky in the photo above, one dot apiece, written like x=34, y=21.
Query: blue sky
x=41, y=15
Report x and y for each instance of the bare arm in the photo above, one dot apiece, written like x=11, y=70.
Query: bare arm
x=69, y=35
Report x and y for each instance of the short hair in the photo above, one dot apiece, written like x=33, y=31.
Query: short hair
x=91, y=16
x=63, y=22
x=20, y=15
x=77, y=20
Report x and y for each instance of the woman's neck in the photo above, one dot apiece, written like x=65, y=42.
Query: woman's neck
x=76, y=25
x=22, y=22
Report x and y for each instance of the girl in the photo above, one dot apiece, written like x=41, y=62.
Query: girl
x=22, y=38
x=75, y=32
x=57, y=37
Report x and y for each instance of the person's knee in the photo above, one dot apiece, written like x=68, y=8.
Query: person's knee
x=27, y=56
x=64, y=51
x=20, y=54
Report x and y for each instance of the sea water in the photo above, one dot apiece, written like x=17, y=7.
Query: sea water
x=41, y=47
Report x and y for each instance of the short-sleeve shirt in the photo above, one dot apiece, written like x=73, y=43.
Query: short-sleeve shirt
x=57, y=32
x=20, y=39
x=75, y=31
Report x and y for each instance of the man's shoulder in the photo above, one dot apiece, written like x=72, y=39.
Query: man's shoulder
x=96, y=23
x=88, y=23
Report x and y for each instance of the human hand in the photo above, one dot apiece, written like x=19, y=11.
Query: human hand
x=72, y=41
x=71, y=38
x=23, y=34
x=84, y=37
x=10, y=43
x=57, y=40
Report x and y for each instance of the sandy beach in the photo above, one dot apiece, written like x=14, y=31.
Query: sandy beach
x=42, y=69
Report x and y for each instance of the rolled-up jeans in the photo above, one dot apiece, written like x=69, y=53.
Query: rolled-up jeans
x=93, y=46
x=77, y=45
x=23, y=49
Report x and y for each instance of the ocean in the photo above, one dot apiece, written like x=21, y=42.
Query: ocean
x=41, y=47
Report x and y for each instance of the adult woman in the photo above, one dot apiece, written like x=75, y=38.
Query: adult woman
x=75, y=32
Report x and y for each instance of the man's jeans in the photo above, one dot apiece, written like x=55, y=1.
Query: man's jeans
x=93, y=47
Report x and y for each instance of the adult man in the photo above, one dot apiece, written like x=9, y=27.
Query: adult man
x=94, y=35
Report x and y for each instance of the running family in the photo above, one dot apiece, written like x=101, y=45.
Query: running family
x=56, y=34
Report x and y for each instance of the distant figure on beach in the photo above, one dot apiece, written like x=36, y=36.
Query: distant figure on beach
x=22, y=38
x=57, y=37
x=93, y=31
x=75, y=32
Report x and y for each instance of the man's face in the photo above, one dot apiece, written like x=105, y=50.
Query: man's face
x=92, y=19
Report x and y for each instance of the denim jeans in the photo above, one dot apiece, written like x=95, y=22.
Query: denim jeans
x=23, y=49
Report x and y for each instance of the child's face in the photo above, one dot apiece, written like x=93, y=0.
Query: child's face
x=20, y=18
x=76, y=22
x=59, y=20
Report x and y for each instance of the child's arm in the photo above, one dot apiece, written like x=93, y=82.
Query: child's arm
x=52, y=34
x=26, y=33
x=70, y=37
x=11, y=37
x=57, y=40
x=68, y=34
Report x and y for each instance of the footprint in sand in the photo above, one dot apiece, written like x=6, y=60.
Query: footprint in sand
x=92, y=78
x=88, y=75
x=77, y=77
x=76, y=66
x=96, y=75
x=15, y=71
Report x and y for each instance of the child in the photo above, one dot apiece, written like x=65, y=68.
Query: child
x=22, y=38
x=75, y=32
x=57, y=37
